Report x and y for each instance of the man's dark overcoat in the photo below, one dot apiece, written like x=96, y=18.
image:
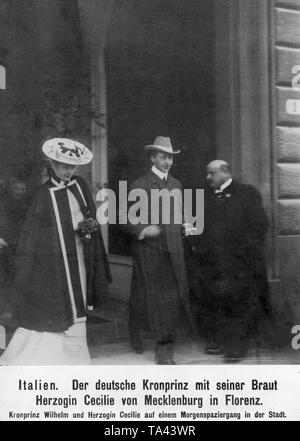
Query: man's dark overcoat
x=159, y=293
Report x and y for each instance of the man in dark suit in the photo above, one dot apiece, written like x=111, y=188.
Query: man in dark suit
x=231, y=263
x=159, y=295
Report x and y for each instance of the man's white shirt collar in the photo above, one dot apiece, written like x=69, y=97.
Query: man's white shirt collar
x=223, y=186
x=159, y=173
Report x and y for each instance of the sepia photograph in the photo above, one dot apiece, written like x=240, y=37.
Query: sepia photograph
x=150, y=198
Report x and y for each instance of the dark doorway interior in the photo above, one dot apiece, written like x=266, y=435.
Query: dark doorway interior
x=160, y=81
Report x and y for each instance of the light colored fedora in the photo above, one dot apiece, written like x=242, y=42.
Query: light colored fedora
x=67, y=151
x=162, y=144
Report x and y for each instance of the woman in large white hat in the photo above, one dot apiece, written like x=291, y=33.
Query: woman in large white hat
x=61, y=269
x=159, y=298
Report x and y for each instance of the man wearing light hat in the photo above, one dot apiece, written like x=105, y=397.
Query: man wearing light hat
x=61, y=269
x=159, y=294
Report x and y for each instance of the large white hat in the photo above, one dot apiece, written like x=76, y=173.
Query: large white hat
x=162, y=144
x=67, y=151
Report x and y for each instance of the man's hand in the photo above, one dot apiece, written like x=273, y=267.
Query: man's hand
x=150, y=231
x=2, y=243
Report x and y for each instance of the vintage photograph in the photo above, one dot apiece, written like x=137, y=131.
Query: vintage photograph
x=149, y=182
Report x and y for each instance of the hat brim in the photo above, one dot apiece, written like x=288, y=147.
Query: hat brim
x=162, y=149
